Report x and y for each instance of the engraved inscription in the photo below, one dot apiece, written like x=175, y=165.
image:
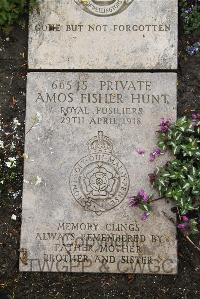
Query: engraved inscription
x=99, y=181
x=83, y=132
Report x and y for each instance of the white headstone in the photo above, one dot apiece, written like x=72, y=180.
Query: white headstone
x=97, y=34
x=82, y=135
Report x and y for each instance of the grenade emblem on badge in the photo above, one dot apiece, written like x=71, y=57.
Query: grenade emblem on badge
x=99, y=182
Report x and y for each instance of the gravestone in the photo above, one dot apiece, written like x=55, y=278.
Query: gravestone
x=104, y=34
x=83, y=132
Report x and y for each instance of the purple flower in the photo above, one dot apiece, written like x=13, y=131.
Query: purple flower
x=156, y=153
x=182, y=226
x=141, y=198
x=195, y=116
x=188, y=10
x=140, y=151
x=143, y=195
x=194, y=49
x=133, y=201
x=165, y=125
x=151, y=157
x=195, y=119
x=185, y=218
x=145, y=216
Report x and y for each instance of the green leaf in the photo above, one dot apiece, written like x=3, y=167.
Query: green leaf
x=186, y=186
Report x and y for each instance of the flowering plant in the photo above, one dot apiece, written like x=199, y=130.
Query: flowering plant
x=178, y=180
x=190, y=13
x=143, y=201
x=12, y=10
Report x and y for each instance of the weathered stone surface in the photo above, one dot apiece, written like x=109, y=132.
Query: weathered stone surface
x=116, y=34
x=82, y=135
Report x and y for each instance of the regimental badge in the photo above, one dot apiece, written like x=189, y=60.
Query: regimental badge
x=99, y=182
x=103, y=8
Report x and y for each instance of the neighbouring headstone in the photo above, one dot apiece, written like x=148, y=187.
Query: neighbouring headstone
x=83, y=131
x=104, y=34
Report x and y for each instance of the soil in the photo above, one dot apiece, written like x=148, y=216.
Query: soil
x=186, y=284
